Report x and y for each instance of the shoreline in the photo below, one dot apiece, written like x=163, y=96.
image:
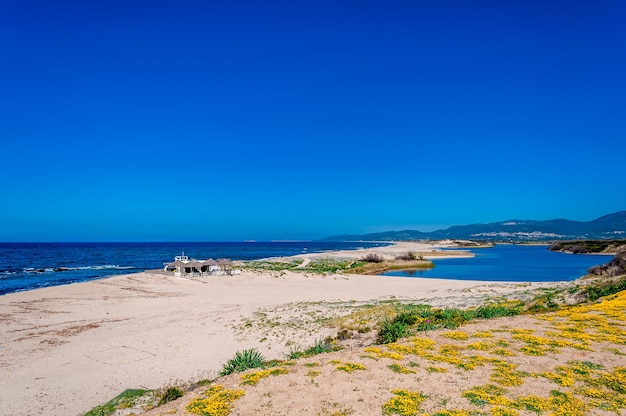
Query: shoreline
x=36, y=265
x=66, y=349
x=386, y=247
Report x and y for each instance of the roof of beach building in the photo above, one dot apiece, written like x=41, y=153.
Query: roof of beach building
x=193, y=263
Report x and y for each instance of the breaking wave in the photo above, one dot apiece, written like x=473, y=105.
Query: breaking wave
x=69, y=269
x=42, y=270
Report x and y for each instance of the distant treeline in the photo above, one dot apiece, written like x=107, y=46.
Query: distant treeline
x=590, y=246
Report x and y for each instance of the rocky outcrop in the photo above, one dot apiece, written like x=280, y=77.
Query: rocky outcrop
x=615, y=267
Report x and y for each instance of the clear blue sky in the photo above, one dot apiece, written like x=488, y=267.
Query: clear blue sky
x=213, y=121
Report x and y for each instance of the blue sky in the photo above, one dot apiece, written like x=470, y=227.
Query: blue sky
x=215, y=121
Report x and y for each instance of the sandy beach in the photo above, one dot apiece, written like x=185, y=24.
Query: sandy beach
x=66, y=349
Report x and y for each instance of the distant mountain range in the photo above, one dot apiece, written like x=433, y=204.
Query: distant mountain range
x=612, y=226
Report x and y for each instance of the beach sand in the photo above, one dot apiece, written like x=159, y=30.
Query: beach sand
x=66, y=349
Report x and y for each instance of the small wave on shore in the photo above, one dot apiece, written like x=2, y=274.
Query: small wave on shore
x=27, y=278
x=69, y=269
x=58, y=269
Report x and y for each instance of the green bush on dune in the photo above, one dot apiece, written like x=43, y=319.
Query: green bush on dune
x=170, y=395
x=242, y=361
x=391, y=330
x=125, y=400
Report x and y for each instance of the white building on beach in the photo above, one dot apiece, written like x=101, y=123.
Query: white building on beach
x=183, y=266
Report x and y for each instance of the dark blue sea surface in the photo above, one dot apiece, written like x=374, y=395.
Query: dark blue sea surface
x=512, y=263
x=25, y=266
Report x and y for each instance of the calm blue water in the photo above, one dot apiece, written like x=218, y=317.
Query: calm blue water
x=512, y=263
x=25, y=266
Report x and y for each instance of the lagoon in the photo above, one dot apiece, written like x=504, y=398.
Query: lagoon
x=511, y=263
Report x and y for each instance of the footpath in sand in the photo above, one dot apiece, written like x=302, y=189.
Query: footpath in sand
x=66, y=349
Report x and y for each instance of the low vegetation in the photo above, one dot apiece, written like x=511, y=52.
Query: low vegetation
x=321, y=346
x=416, y=318
x=242, y=361
x=387, y=265
x=404, y=403
x=410, y=256
x=575, y=319
x=372, y=258
x=254, y=377
x=127, y=399
x=603, y=288
x=170, y=394
x=391, y=330
x=318, y=266
x=590, y=246
x=216, y=401
x=370, y=264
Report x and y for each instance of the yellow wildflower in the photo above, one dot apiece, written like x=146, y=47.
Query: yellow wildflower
x=217, y=401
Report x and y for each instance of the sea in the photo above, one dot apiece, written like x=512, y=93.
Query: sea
x=511, y=263
x=27, y=266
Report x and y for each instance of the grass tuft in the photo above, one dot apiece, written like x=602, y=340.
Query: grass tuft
x=392, y=330
x=242, y=361
x=171, y=394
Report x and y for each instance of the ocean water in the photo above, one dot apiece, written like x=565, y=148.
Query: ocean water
x=25, y=266
x=516, y=263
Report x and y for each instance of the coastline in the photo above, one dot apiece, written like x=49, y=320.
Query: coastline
x=66, y=349
x=27, y=266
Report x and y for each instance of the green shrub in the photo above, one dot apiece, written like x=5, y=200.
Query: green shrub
x=169, y=395
x=390, y=331
x=604, y=289
x=242, y=361
x=452, y=318
x=321, y=346
x=425, y=311
x=409, y=318
x=295, y=353
x=409, y=256
x=426, y=325
x=344, y=334
x=102, y=410
x=372, y=258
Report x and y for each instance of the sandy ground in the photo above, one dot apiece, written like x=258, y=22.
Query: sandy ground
x=66, y=349
x=532, y=364
x=428, y=251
